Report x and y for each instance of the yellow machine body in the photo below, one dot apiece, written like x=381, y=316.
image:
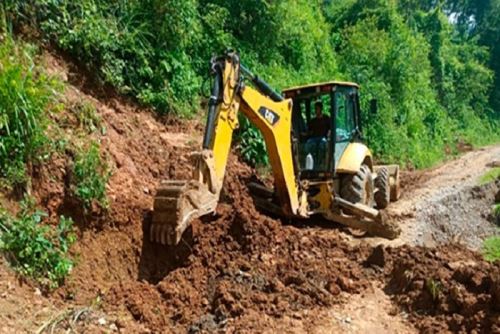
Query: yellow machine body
x=177, y=203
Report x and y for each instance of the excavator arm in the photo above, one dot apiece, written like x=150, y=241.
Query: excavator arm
x=177, y=203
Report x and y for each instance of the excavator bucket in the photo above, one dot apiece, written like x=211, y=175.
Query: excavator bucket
x=178, y=203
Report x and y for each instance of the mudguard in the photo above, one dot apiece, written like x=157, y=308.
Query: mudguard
x=353, y=157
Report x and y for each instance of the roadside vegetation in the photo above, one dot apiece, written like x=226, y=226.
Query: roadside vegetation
x=27, y=96
x=34, y=249
x=492, y=175
x=91, y=174
x=433, y=66
x=491, y=245
x=30, y=102
x=491, y=249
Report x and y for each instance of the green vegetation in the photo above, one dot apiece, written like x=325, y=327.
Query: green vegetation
x=86, y=114
x=490, y=176
x=491, y=249
x=251, y=144
x=434, y=287
x=26, y=95
x=91, y=174
x=496, y=211
x=36, y=250
x=433, y=65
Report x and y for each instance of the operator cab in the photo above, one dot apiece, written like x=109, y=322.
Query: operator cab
x=325, y=119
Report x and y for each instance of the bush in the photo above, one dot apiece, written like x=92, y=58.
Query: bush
x=35, y=250
x=91, y=175
x=26, y=95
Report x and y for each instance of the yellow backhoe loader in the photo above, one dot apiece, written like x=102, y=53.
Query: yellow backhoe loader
x=319, y=163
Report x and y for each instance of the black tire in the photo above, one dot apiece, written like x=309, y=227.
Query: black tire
x=358, y=187
x=382, y=188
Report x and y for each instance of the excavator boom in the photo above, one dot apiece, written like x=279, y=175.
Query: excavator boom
x=177, y=203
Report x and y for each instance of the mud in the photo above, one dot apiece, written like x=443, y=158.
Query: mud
x=231, y=270
x=243, y=264
x=448, y=288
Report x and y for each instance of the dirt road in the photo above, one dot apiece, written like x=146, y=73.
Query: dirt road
x=447, y=203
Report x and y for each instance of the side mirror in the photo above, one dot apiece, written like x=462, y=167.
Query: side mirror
x=373, y=106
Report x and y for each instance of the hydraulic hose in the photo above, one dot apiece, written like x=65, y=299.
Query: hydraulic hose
x=261, y=85
x=212, y=105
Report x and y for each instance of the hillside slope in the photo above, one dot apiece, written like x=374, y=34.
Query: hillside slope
x=238, y=270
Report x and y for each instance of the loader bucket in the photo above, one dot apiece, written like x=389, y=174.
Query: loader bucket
x=365, y=218
x=176, y=204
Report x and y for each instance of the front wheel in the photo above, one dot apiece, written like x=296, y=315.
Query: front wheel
x=358, y=187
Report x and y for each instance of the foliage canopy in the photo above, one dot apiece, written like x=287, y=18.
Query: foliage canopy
x=433, y=65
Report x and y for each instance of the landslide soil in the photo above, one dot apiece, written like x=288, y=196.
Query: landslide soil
x=238, y=270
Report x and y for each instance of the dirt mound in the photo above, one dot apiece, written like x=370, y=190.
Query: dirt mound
x=448, y=288
x=244, y=265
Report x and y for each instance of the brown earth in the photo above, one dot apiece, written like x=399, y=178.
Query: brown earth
x=235, y=271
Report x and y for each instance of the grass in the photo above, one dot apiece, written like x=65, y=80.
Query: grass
x=434, y=287
x=491, y=248
x=496, y=210
x=490, y=176
x=27, y=96
x=87, y=116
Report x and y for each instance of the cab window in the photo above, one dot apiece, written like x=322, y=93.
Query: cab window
x=344, y=111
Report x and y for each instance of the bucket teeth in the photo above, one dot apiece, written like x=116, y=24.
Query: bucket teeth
x=176, y=204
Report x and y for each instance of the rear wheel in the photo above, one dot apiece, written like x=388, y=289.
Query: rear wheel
x=382, y=188
x=358, y=187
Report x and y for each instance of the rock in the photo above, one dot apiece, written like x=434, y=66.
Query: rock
x=276, y=286
x=102, y=321
x=345, y=283
x=377, y=257
x=333, y=288
x=459, y=264
x=493, y=164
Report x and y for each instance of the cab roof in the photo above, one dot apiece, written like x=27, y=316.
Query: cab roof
x=316, y=87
